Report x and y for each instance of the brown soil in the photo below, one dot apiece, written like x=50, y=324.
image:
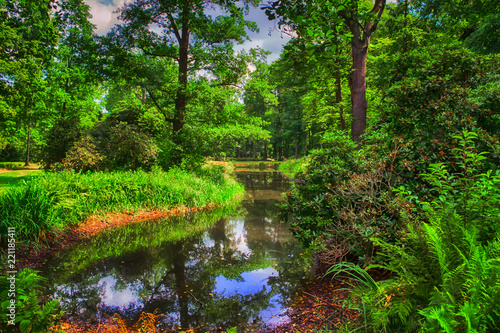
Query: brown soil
x=319, y=305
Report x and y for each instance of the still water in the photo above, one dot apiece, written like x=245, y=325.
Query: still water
x=208, y=271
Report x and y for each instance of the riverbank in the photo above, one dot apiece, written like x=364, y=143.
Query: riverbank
x=319, y=307
x=54, y=209
x=32, y=257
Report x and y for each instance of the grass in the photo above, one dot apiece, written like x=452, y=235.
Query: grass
x=47, y=204
x=291, y=167
x=9, y=179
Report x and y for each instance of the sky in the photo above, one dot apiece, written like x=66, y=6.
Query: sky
x=268, y=38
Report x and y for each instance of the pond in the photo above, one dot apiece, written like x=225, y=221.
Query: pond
x=208, y=271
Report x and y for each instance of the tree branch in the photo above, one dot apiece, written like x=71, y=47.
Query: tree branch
x=172, y=21
x=158, y=106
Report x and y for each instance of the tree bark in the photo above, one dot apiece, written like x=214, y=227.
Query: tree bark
x=295, y=144
x=181, y=98
x=357, y=83
x=338, y=95
x=357, y=79
x=305, y=142
x=28, y=139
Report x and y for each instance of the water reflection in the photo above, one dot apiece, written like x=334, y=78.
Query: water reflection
x=240, y=270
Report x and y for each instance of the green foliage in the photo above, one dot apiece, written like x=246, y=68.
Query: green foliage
x=30, y=208
x=436, y=95
x=483, y=39
x=60, y=138
x=292, y=167
x=83, y=156
x=342, y=198
x=129, y=149
x=30, y=315
x=447, y=276
x=47, y=203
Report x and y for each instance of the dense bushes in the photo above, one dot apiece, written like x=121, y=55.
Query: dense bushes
x=447, y=277
x=345, y=196
x=435, y=95
x=436, y=231
x=52, y=201
x=120, y=142
x=342, y=198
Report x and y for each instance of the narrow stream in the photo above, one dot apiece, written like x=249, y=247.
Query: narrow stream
x=208, y=271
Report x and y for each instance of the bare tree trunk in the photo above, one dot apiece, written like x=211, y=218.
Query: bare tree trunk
x=181, y=98
x=338, y=95
x=357, y=79
x=295, y=144
x=357, y=83
x=28, y=139
x=305, y=142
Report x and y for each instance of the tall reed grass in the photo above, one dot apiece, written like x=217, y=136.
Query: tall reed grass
x=48, y=203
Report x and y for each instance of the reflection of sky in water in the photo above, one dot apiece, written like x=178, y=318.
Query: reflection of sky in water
x=252, y=282
x=238, y=235
x=118, y=298
x=258, y=240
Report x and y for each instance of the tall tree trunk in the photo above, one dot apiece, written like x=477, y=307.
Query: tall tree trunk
x=66, y=88
x=181, y=98
x=264, y=153
x=28, y=140
x=295, y=144
x=338, y=95
x=357, y=83
x=305, y=141
x=405, y=25
x=357, y=79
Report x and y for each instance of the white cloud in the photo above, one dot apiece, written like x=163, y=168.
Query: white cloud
x=103, y=15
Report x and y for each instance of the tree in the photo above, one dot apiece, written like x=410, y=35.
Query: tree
x=30, y=38
x=359, y=16
x=72, y=80
x=191, y=37
x=459, y=17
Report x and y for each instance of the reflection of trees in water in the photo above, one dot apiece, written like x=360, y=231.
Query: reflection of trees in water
x=180, y=278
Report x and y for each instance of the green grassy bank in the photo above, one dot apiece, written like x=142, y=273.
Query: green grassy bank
x=46, y=204
x=291, y=167
x=12, y=178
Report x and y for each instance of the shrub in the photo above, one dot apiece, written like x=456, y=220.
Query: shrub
x=83, y=156
x=30, y=316
x=342, y=198
x=437, y=94
x=447, y=276
x=129, y=149
x=60, y=138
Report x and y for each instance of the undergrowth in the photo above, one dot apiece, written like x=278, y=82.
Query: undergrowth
x=45, y=205
x=446, y=276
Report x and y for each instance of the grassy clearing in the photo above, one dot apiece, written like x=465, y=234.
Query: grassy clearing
x=291, y=167
x=18, y=166
x=46, y=204
x=256, y=165
x=9, y=179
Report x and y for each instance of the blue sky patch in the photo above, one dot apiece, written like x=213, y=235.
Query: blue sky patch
x=106, y=2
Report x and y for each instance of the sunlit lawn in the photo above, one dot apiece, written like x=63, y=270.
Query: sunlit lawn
x=9, y=178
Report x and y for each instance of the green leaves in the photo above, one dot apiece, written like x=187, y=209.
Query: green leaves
x=30, y=315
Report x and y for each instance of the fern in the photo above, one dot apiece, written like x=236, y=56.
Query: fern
x=447, y=278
